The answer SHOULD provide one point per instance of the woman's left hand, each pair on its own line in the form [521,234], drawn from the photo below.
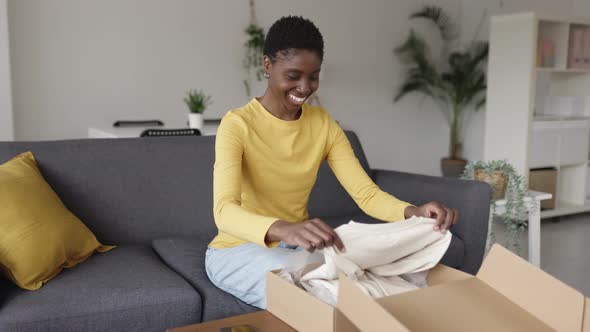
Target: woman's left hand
[445,217]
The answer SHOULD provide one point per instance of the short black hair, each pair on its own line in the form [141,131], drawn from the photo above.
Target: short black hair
[293,32]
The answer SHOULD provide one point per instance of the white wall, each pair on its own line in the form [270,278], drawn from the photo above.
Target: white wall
[6,122]
[78,63]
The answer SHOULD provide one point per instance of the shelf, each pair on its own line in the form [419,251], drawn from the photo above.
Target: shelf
[564,70]
[575,164]
[542,118]
[520,43]
[564,209]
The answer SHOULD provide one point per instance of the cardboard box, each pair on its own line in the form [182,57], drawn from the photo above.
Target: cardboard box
[508,294]
[302,311]
[306,313]
[544,180]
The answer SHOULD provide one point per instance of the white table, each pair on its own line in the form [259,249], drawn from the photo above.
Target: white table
[106,131]
[534,227]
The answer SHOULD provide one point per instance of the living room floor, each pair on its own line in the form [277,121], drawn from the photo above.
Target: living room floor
[565,249]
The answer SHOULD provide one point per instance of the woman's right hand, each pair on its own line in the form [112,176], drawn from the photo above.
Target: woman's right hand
[310,234]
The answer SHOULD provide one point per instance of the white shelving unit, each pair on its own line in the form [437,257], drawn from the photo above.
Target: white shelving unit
[516,91]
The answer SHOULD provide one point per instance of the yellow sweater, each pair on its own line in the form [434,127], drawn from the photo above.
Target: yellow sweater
[265,169]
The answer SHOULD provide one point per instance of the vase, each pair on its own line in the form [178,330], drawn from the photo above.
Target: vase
[452,168]
[195,120]
[497,180]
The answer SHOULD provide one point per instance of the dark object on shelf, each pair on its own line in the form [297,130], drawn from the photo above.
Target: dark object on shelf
[544,180]
[139,123]
[170,132]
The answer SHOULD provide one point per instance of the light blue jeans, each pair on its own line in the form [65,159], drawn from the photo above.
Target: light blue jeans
[241,270]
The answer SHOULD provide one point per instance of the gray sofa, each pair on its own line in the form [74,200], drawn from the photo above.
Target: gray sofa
[152,197]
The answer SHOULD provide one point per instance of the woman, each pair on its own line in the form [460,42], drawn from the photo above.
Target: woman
[267,155]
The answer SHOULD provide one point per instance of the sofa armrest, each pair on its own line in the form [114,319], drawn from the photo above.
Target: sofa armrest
[470,198]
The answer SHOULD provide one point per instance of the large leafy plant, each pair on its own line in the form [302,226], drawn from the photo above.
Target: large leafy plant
[457,83]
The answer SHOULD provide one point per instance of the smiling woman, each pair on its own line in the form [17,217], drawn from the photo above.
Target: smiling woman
[292,66]
[267,156]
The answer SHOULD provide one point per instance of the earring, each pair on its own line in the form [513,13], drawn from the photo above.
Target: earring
[266,75]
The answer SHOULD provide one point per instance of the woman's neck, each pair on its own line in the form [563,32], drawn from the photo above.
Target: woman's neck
[277,109]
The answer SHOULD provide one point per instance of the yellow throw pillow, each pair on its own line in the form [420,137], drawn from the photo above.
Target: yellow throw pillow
[39,236]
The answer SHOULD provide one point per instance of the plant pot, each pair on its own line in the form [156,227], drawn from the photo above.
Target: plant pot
[452,168]
[498,180]
[195,120]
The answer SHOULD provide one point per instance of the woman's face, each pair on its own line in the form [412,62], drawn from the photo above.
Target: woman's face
[293,77]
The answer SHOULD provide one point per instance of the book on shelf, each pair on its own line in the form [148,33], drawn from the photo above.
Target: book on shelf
[545,53]
[577,48]
[586,47]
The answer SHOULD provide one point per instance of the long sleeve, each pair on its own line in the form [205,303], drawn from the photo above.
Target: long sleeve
[229,215]
[266,167]
[367,195]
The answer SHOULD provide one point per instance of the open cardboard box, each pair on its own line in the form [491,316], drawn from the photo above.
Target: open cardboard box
[306,313]
[507,294]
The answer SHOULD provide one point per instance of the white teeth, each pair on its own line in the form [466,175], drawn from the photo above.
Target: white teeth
[297,99]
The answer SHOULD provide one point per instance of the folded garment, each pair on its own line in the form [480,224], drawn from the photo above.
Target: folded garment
[383,259]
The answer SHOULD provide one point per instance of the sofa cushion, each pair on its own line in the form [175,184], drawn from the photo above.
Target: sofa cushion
[126,289]
[39,236]
[186,255]
[453,257]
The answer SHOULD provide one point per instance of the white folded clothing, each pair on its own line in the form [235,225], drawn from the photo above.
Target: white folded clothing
[383,259]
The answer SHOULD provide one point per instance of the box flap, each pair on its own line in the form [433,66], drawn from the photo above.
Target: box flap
[463,305]
[343,324]
[586,327]
[296,307]
[550,300]
[363,311]
[442,273]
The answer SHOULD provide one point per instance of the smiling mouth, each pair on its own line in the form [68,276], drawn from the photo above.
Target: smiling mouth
[297,100]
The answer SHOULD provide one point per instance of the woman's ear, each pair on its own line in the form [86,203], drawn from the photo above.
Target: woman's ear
[267,64]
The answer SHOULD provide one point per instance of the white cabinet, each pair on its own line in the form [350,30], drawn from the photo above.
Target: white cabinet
[544,146]
[573,147]
[517,127]
[559,143]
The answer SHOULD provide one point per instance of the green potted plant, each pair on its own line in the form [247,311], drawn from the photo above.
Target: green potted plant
[197,102]
[254,51]
[457,82]
[253,56]
[506,184]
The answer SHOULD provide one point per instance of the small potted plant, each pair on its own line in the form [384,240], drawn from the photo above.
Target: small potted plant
[506,184]
[495,173]
[197,102]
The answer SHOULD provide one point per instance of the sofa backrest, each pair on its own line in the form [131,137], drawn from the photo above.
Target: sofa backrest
[130,190]
[328,198]
[138,189]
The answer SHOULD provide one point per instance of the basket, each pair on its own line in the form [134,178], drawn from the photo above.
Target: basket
[498,180]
